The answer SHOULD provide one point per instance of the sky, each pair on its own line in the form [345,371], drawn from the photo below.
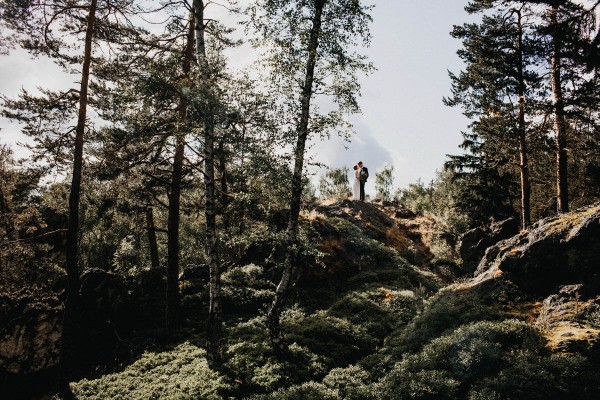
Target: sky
[403,122]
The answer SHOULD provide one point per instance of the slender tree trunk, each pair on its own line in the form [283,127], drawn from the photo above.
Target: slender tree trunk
[175,196]
[281,293]
[152,243]
[214,310]
[173,240]
[223,181]
[72,261]
[522,131]
[560,126]
[215,324]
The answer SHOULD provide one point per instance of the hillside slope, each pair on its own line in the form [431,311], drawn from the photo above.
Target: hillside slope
[377,316]
[369,324]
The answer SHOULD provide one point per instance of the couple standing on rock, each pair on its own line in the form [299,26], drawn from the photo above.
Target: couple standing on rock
[361,174]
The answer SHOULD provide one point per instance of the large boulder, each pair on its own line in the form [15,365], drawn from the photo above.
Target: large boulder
[475,242]
[555,251]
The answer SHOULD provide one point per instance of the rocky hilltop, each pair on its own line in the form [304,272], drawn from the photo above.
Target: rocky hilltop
[378,313]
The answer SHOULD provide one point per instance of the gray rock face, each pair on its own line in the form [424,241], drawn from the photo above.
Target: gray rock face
[475,242]
[556,251]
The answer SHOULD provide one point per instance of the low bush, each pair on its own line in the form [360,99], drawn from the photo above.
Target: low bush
[179,372]
[444,312]
[338,341]
[253,366]
[245,290]
[379,311]
[489,360]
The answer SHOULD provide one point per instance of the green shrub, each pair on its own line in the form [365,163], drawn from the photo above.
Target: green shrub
[337,340]
[250,361]
[349,383]
[257,369]
[180,372]
[245,290]
[426,384]
[444,312]
[490,360]
[305,391]
[529,375]
[379,311]
[474,350]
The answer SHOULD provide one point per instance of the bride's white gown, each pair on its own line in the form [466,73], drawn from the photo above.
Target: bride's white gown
[356,187]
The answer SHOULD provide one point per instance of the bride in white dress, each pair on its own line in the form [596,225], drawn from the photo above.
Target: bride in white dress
[356,185]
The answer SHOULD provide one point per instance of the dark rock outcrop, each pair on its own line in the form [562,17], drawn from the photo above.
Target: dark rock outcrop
[555,251]
[29,335]
[557,260]
[564,317]
[475,242]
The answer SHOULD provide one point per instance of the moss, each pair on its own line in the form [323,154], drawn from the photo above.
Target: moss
[566,222]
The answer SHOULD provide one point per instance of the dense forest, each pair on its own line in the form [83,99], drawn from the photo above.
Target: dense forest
[163,237]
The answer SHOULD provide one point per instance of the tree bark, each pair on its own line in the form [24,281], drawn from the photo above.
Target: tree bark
[72,260]
[522,132]
[173,240]
[215,324]
[152,243]
[223,181]
[274,314]
[175,196]
[560,127]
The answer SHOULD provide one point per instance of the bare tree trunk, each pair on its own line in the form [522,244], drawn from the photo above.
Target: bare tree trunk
[281,293]
[223,181]
[72,264]
[152,243]
[215,324]
[522,131]
[214,310]
[173,240]
[175,196]
[562,184]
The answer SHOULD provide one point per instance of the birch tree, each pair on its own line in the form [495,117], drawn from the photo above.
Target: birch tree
[310,51]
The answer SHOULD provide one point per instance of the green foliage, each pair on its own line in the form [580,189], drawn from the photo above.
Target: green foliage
[424,384]
[384,183]
[378,311]
[440,199]
[256,369]
[417,197]
[305,391]
[444,312]
[338,341]
[449,365]
[30,233]
[534,376]
[334,184]
[283,28]
[245,289]
[178,372]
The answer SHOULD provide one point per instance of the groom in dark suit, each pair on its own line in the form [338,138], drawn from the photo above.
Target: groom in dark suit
[363,174]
